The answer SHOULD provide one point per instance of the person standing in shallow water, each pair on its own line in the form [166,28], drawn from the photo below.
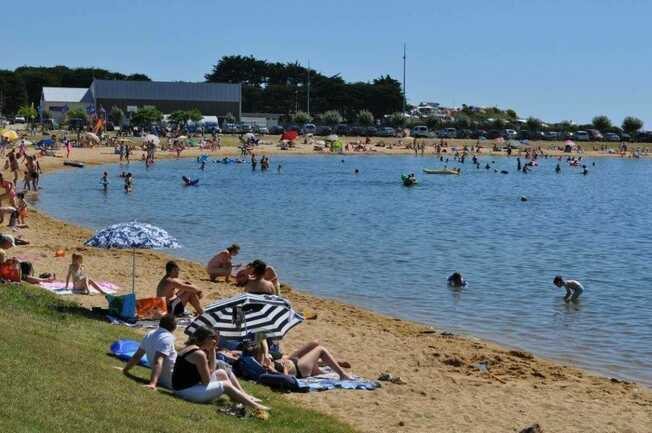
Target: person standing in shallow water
[573,288]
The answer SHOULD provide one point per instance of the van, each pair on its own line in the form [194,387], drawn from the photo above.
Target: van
[420,131]
[595,135]
[582,136]
[309,128]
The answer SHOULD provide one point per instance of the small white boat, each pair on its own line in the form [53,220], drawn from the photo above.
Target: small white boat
[455,171]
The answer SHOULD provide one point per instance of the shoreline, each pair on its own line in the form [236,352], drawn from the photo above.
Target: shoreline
[446,364]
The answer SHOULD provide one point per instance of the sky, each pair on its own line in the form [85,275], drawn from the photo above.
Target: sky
[555,60]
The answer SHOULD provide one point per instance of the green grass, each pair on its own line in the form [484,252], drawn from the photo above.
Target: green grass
[56,377]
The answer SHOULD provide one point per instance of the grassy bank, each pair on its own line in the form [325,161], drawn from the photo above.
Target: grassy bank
[57,377]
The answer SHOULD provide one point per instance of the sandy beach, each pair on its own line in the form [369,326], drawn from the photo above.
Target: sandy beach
[445,390]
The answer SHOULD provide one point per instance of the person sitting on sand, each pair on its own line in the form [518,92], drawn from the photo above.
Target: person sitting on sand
[259,285]
[573,288]
[220,265]
[195,377]
[81,283]
[158,345]
[178,293]
[456,280]
[302,363]
[246,274]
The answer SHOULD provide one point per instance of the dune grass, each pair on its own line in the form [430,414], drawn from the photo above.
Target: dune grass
[57,377]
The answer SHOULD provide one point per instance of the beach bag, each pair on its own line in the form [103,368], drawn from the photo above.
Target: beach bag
[150,308]
[281,382]
[123,306]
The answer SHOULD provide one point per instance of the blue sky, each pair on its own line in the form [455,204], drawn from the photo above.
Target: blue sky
[551,59]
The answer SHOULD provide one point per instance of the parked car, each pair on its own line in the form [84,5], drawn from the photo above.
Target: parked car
[276,130]
[323,131]
[387,131]
[464,133]
[595,135]
[612,136]
[19,119]
[582,136]
[509,134]
[342,129]
[309,128]
[245,129]
[420,131]
[371,131]
[356,131]
[261,130]
[230,128]
[551,135]
[625,137]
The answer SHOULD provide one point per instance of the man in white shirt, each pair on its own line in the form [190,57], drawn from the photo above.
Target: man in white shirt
[158,345]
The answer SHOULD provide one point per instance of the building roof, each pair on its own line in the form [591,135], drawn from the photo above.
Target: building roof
[165,91]
[65,94]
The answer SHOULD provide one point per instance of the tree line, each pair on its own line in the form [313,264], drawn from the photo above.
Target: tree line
[274,87]
[23,86]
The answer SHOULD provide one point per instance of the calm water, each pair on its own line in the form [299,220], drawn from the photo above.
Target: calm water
[368,240]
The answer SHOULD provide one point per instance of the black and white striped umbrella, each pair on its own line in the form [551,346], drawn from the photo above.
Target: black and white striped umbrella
[247,314]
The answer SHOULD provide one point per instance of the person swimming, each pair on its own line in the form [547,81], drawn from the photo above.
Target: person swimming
[456,280]
[584,170]
[356,171]
[573,288]
[558,168]
[189,182]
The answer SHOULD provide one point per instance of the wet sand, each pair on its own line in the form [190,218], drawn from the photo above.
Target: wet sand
[445,390]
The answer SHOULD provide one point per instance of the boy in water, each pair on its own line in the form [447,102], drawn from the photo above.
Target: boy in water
[573,288]
[105,180]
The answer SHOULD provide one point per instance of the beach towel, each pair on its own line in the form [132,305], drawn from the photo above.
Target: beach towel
[144,324]
[125,349]
[330,380]
[59,287]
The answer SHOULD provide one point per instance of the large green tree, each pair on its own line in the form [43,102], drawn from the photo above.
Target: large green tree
[397,119]
[365,118]
[631,125]
[28,112]
[301,118]
[116,116]
[533,124]
[601,123]
[145,116]
[331,117]
[184,116]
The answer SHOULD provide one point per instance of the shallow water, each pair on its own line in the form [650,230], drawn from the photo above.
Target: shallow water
[368,240]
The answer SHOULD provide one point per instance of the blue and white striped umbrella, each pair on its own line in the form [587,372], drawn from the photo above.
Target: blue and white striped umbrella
[133,235]
[246,314]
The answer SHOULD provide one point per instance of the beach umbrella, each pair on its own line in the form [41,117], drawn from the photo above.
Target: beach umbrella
[151,138]
[10,135]
[133,235]
[247,314]
[569,143]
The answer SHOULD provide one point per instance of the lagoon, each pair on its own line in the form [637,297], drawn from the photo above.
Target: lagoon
[367,240]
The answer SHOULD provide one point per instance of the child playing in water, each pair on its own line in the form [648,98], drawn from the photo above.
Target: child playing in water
[81,283]
[105,180]
[573,288]
[456,280]
[129,182]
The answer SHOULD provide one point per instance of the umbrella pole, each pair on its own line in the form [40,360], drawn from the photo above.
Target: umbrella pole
[133,271]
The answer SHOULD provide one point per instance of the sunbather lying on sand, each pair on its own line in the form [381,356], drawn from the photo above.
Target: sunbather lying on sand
[304,362]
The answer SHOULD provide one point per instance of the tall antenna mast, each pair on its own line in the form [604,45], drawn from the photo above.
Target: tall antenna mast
[404,92]
[308,90]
